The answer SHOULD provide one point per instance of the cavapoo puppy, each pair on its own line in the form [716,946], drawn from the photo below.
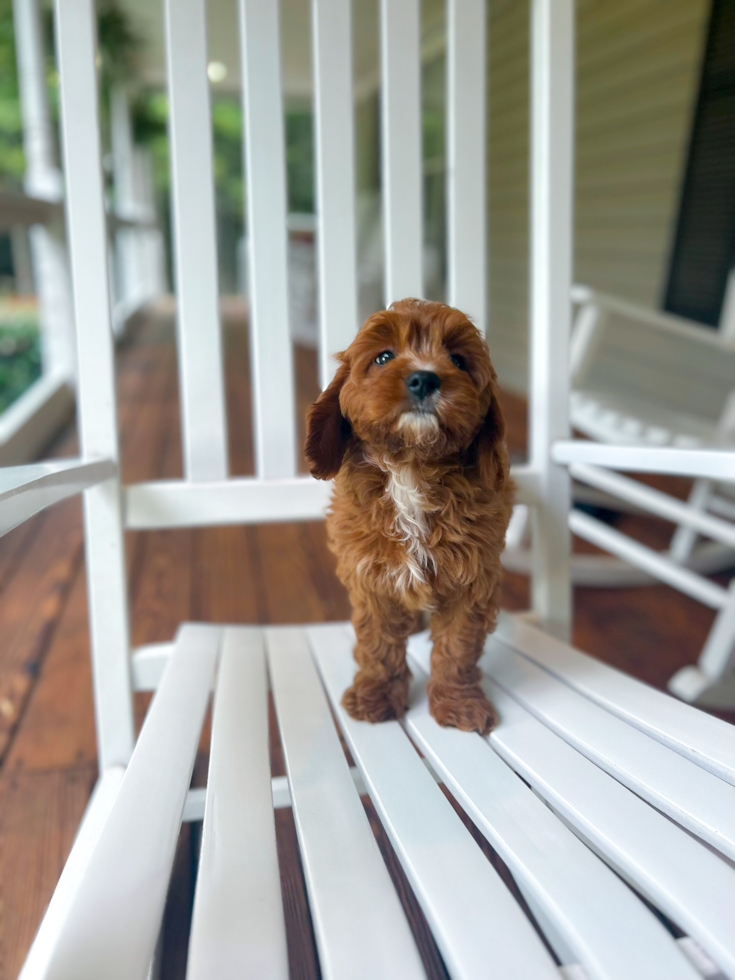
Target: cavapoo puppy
[411,430]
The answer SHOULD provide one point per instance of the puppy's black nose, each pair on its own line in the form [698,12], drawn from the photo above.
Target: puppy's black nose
[421,384]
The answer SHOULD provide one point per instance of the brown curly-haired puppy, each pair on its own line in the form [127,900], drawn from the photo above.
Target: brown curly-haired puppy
[411,429]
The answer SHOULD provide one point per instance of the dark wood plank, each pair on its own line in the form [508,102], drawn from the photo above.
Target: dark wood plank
[39,816]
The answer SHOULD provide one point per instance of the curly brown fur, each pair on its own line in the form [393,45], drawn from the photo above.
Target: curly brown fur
[420,507]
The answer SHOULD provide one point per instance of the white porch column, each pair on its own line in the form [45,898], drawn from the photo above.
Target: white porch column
[43,179]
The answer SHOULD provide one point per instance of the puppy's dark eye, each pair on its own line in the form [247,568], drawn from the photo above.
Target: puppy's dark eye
[384,356]
[458,361]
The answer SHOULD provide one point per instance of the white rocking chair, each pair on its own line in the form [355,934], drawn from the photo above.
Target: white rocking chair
[596,791]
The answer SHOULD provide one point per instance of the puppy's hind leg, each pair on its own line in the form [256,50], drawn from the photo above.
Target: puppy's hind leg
[456,697]
[379,691]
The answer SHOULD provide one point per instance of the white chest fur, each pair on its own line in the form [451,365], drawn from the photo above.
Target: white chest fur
[410,523]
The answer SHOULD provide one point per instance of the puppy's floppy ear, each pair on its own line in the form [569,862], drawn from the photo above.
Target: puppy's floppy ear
[327,430]
[488,448]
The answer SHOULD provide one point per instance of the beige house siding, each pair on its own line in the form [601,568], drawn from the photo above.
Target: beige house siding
[638,64]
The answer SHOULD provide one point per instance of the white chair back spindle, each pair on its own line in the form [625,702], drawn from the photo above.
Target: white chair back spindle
[270,340]
[466,159]
[401,148]
[204,428]
[335,179]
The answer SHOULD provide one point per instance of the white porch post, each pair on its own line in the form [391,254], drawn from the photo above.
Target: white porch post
[552,140]
[42,179]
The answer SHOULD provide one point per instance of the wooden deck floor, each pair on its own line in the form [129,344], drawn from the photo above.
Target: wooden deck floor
[271,574]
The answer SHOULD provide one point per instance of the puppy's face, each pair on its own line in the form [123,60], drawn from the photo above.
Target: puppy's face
[416,375]
[419,375]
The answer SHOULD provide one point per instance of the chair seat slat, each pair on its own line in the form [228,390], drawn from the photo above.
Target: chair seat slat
[677,873]
[360,928]
[474,918]
[705,740]
[113,923]
[603,924]
[695,798]
[237,926]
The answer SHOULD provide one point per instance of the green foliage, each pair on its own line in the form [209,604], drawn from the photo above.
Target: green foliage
[20,356]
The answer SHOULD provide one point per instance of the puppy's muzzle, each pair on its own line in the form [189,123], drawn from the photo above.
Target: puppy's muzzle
[421,385]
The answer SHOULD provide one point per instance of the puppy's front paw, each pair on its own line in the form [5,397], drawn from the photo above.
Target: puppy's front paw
[464,707]
[376,699]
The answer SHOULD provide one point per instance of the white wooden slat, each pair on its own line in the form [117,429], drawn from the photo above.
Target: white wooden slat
[674,871]
[401,148]
[715,463]
[113,922]
[270,341]
[360,928]
[175,503]
[195,242]
[474,918]
[603,924]
[699,737]
[86,234]
[26,490]
[661,504]
[335,179]
[52,924]
[178,503]
[552,171]
[648,559]
[237,926]
[466,170]
[698,800]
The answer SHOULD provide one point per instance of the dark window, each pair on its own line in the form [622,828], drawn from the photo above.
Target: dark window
[704,246]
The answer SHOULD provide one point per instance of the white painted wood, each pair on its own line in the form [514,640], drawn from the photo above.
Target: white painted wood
[270,341]
[401,148]
[552,140]
[149,663]
[655,502]
[94,819]
[587,334]
[237,926]
[474,918]
[695,798]
[360,928]
[113,921]
[719,464]
[334,139]
[26,490]
[466,117]
[578,894]
[659,320]
[699,737]
[28,425]
[174,503]
[656,564]
[177,503]
[106,582]
[204,429]
[42,180]
[673,870]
